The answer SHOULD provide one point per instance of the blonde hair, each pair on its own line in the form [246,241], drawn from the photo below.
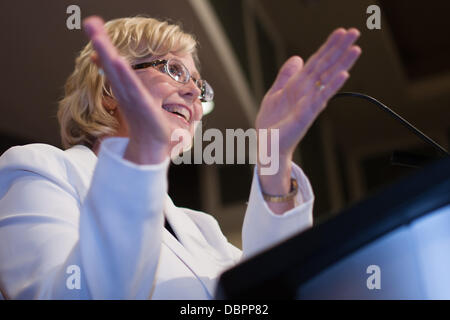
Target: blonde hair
[81,115]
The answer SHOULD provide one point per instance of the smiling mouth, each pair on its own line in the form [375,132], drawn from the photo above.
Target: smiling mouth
[178,110]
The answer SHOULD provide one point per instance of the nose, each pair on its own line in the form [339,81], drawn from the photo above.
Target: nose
[190,90]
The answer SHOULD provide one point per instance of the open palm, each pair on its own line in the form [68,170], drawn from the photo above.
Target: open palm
[301,92]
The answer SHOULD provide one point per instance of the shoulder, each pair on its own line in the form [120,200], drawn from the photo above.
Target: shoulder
[46,160]
[33,157]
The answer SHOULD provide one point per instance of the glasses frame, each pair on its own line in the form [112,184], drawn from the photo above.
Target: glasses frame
[201,84]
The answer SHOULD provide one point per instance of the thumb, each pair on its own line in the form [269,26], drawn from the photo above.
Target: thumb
[289,68]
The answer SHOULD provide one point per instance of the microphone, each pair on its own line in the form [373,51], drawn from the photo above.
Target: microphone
[400,158]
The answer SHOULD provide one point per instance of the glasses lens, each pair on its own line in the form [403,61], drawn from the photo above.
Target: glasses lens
[177,71]
[207,91]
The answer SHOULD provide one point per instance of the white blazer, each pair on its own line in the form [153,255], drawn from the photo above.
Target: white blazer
[74,226]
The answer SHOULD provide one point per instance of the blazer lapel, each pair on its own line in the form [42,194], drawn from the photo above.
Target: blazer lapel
[193,248]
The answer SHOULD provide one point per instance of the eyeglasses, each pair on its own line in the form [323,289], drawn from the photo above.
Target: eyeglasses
[178,72]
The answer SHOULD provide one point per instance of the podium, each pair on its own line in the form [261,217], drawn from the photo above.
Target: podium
[394,244]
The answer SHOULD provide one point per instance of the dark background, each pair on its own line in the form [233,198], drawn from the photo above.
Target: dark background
[346,154]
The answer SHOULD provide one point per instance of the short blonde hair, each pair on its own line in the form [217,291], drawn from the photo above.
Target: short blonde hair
[81,115]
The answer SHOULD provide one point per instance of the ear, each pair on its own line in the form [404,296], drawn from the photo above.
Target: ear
[109,103]
[95,59]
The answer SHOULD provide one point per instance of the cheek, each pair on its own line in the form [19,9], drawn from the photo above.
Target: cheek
[160,90]
[157,88]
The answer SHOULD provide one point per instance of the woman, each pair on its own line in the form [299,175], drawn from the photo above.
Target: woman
[88,222]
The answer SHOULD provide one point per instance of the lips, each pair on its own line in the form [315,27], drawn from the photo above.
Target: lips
[179,110]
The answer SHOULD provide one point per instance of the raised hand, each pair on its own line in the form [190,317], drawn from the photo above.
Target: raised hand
[299,94]
[148,129]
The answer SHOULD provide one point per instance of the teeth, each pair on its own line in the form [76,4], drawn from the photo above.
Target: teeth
[174,108]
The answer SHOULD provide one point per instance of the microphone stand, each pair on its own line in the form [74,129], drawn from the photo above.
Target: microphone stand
[400,158]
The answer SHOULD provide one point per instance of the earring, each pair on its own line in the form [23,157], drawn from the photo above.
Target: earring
[111,112]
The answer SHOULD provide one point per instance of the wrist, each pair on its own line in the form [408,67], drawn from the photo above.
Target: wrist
[145,153]
[280,182]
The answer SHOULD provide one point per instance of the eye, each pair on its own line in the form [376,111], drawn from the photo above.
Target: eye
[160,67]
[176,70]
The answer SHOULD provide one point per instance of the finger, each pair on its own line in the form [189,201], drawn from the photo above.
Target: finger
[109,63]
[92,24]
[106,54]
[344,64]
[308,81]
[132,85]
[331,42]
[334,53]
[289,68]
[317,101]
[134,92]
[329,54]
[90,28]
[94,27]
[322,96]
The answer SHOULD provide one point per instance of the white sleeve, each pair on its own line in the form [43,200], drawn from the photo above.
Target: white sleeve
[262,228]
[113,237]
